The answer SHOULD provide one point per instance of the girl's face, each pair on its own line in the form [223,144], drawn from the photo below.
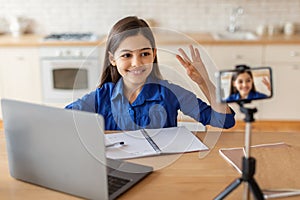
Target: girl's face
[243,84]
[134,60]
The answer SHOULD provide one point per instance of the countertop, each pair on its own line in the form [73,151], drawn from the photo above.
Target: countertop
[32,40]
[182,38]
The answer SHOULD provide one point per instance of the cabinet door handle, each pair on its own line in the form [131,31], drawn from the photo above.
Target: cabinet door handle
[20,58]
[294,53]
[296,67]
[239,56]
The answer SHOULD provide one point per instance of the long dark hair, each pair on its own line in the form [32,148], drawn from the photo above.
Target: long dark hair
[126,27]
[233,89]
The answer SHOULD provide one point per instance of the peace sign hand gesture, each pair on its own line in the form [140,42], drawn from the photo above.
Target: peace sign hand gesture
[197,72]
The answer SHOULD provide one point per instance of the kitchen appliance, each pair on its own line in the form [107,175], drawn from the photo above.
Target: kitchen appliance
[69,71]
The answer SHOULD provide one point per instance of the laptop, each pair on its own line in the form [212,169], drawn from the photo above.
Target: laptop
[64,150]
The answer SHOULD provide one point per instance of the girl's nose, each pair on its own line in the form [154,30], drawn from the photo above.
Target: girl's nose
[136,61]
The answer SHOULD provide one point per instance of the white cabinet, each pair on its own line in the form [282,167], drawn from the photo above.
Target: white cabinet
[20,73]
[285,63]
[228,56]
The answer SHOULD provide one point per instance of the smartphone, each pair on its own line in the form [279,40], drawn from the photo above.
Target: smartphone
[244,84]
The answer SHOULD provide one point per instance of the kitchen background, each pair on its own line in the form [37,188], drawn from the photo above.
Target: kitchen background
[186,16]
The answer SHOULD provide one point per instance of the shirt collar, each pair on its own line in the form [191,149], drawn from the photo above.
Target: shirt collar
[118,89]
[149,92]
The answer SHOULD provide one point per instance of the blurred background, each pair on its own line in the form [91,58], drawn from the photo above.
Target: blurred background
[186,16]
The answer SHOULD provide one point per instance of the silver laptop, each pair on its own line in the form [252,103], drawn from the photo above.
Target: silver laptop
[64,150]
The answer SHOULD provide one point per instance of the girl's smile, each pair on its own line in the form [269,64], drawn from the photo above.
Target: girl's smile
[136,71]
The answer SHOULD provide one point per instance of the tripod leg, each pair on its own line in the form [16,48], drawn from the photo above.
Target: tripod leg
[257,193]
[229,189]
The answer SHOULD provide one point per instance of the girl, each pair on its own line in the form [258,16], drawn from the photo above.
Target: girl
[242,87]
[132,93]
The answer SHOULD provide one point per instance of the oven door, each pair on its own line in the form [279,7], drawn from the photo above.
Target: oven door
[67,80]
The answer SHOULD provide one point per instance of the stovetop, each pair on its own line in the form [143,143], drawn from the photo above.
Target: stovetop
[71,37]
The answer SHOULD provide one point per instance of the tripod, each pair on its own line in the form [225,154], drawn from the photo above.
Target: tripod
[248,163]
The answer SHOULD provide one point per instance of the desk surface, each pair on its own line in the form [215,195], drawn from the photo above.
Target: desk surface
[188,177]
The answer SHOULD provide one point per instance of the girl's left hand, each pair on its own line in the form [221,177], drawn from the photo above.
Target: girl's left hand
[194,67]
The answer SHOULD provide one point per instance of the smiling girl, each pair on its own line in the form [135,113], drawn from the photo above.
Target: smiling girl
[242,87]
[132,93]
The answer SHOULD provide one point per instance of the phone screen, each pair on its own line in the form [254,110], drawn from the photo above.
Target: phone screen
[244,84]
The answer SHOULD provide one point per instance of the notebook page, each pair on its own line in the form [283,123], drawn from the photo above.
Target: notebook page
[176,140]
[135,145]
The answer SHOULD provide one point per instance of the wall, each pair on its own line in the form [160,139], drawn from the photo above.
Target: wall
[186,16]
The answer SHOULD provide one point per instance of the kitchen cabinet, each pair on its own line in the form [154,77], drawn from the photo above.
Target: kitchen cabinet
[285,63]
[228,56]
[20,73]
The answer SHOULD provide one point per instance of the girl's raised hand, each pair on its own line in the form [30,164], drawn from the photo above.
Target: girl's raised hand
[197,72]
[194,66]
[267,83]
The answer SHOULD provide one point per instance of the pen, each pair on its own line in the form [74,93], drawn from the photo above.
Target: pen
[113,144]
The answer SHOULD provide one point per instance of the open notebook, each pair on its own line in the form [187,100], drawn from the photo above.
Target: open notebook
[151,142]
[277,167]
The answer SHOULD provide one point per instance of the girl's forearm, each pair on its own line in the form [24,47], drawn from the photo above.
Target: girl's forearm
[209,91]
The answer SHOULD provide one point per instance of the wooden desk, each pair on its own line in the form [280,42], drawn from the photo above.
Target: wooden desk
[188,177]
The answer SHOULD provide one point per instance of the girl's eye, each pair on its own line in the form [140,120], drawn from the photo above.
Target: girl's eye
[145,54]
[126,55]
[240,81]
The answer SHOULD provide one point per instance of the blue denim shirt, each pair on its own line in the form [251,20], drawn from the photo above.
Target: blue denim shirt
[155,107]
[251,95]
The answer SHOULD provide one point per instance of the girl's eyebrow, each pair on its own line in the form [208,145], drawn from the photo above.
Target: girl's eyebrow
[127,50]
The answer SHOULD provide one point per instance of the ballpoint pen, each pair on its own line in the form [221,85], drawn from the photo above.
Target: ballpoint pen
[114,144]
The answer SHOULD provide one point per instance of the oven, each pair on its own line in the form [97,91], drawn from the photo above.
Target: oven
[68,72]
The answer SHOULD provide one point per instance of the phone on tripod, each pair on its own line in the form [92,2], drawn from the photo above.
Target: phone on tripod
[244,84]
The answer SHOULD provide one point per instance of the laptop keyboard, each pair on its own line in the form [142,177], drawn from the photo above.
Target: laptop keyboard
[115,183]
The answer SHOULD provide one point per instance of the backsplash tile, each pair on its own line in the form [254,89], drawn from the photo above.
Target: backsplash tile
[187,16]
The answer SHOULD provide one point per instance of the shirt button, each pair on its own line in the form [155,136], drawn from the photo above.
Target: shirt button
[131,111]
